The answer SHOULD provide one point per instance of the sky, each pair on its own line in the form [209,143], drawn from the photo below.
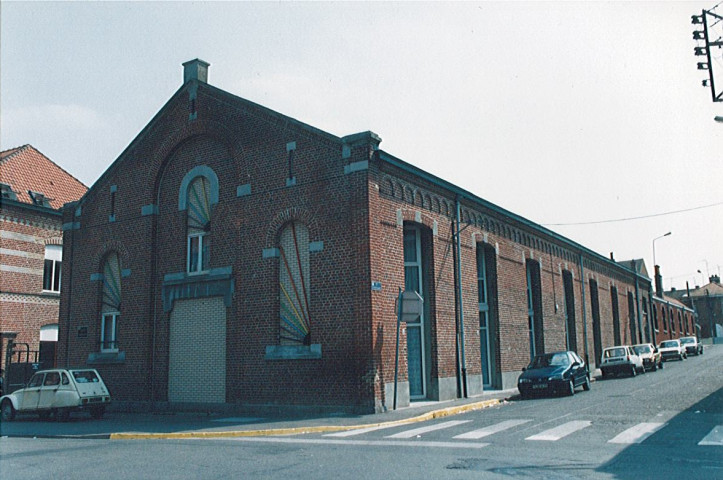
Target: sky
[565,113]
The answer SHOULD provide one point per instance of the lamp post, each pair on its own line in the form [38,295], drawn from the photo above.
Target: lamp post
[657,238]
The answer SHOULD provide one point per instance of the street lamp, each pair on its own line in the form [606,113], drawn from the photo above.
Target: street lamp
[656,238]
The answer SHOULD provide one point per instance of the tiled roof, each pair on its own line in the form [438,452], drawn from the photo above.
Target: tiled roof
[26,169]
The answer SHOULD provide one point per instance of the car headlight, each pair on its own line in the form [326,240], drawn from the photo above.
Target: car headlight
[555,378]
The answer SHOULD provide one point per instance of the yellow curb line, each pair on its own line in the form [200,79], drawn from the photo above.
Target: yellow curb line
[298,430]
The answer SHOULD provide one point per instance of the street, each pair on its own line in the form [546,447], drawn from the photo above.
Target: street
[662,424]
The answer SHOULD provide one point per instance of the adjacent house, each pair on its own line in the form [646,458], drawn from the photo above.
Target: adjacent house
[34,189]
[234,255]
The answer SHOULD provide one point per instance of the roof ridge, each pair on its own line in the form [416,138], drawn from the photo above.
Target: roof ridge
[14,151]
[61,168]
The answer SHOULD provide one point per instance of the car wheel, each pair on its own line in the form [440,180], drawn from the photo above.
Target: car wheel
[586,385]
[660,365]
[642,370]
[570,388]
[633,371]
[97,412]
[7,411]
[654,367]
[701,351]
[62,415]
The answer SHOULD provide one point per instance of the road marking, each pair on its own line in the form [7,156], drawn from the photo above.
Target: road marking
[715,437]
[381,443]
[359,431]
[430,428]
[638,433]
[563,430]
[489,430]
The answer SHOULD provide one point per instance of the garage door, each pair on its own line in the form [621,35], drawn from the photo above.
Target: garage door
[197,363]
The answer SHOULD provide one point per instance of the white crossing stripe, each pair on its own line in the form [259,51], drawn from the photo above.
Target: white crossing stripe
[638,433]
[430,428]
[489,430]
[715,437]
[358,431]
[378,443]
[563,430]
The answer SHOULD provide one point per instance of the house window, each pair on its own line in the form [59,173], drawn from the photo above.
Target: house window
[39,199]
[534,308]
[294,276]
[198,225]
[672,321]
[7,192]
[110,303]
[108,332]
[52,268]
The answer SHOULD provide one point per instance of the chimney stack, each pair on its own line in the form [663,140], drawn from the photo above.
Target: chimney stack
[714,279]
[195,70]
[658,282]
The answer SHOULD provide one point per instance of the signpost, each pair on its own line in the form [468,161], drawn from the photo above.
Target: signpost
[409,308]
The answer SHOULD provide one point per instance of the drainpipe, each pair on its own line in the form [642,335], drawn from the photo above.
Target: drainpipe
[584,310]
[651,329]
[458,294]
[70,285]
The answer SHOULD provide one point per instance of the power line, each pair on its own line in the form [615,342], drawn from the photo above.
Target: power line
[634,218]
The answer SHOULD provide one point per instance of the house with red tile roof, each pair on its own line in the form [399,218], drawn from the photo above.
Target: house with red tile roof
[33,190]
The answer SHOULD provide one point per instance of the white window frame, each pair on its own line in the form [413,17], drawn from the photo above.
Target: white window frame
[113,337]
[54,253]
[201,267]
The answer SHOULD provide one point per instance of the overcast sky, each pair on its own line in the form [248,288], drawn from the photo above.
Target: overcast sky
[561,112]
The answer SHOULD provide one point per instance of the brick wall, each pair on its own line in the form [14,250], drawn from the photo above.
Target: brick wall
[25,307]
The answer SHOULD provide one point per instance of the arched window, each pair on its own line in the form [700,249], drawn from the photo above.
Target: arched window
[294,292]
[110,303]
[198,225]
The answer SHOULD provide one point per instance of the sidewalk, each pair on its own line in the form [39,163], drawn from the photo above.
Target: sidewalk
[119,426]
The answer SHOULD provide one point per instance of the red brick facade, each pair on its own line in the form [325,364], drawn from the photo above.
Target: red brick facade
[265,170]
[28,226]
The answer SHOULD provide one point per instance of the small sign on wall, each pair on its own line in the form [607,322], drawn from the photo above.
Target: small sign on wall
[82,332]
[376,286]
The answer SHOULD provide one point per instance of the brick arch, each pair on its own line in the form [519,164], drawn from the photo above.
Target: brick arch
[409,215]
[165,151]
[387,186]
[110,246]
[287,215]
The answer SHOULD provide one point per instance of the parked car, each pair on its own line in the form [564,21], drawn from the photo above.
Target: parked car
[556,372]
[621,359]
[58,392]
[692,345]
[652,360]
[672,349]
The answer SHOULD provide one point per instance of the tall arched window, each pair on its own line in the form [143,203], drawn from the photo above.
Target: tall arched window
[294,292]
[198,225]
[110,304]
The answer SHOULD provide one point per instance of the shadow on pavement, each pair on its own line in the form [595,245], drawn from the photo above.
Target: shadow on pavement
[673,451]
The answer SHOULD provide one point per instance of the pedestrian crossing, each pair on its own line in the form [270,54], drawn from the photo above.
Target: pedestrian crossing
[404,435]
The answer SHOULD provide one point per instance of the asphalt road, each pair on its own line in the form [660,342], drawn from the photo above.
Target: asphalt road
[664,424]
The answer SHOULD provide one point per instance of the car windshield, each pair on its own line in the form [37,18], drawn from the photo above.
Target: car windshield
[614,352]
[641,349]
[550,360]
[687,340]
[669,343]
[85,376]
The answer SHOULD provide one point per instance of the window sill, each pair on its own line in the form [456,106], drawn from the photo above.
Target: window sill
[106,358]
[50,293]
[293,352]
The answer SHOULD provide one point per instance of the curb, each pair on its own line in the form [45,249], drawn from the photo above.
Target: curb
[445,412]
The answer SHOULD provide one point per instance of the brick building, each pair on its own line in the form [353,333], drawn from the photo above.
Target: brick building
[31,240]
[707,301]
[235,255]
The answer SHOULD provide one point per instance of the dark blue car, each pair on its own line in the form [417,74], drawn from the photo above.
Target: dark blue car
[555,372]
